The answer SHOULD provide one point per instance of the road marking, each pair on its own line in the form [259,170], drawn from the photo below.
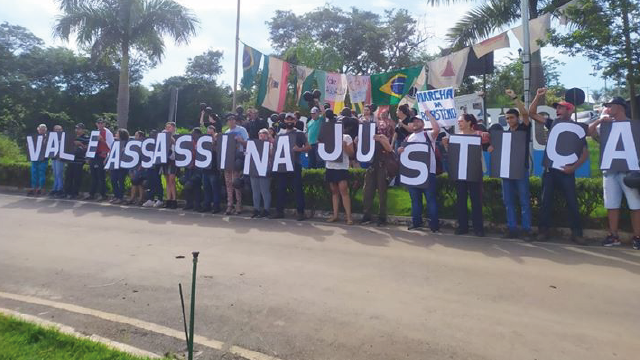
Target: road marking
[201,340]
[71,331]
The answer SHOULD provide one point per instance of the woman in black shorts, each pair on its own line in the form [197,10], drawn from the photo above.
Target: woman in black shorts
[336,175]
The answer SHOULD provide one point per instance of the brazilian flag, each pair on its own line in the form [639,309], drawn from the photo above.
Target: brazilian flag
[390,87]
[250,64]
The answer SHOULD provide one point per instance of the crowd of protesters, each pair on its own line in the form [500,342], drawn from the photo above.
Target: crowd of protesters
[203,188]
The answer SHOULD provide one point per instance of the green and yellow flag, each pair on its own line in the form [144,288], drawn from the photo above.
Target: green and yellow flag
[250,64]
[389,88]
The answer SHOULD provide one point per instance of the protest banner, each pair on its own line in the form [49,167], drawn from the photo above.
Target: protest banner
[440,103]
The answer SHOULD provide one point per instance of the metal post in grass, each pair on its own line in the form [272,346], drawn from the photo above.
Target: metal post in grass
[193,303]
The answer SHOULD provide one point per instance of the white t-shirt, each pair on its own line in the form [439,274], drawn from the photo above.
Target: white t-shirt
[421,138]
[344,164]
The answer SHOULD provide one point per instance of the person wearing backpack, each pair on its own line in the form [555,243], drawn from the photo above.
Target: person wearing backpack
[419,135]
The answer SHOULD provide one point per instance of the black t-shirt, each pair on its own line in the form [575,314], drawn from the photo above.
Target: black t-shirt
[402,132]
[350,126]
[527,130]
[254,126]
[79,151]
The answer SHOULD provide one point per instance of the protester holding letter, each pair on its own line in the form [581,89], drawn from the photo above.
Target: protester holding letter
[261,185]
[39,169]
[119,175]
[57,166]
[375,178]
[230,174]
[511,187]
[313,130]
[284,179]
[211,181]
[336,175]
[466,188]
[613,181]
[98,174]
[73,175]
[419,135]
[564,177]
[192,178]
[169,170]
[137,175]
[154,182]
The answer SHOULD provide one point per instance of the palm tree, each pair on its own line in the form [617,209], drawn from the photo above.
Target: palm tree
[492,15]
[113,28]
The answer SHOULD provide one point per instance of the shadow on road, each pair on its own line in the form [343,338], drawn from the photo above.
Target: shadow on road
[319,231]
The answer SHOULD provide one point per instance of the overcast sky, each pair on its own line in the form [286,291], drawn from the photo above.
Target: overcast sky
[217,31]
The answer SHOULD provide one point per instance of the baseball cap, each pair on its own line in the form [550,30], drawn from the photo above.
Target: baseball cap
[569,106]
[230,115]
[289,115]
[616,101]
[100,120]
[80,126]
[315,110]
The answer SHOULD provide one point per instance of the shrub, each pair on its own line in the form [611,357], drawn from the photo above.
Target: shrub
[10,151]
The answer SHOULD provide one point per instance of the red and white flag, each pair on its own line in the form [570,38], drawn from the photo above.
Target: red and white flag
[494,43]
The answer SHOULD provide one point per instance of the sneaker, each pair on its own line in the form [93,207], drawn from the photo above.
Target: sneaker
[89,197]
[414,227]
[229,211]
[31,193]
[216,210]
[158,204]
[636,242]
[436,232]
[611,240]
[148,203]
[100,198]
[188,207]
[301,217]
[205,209]
[255,214]
[264,214]
[52,193]
[365,220]
[510,234]
[381,222]
[529,236]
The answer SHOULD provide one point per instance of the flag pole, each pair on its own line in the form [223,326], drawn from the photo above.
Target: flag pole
[526,51]
[235,70]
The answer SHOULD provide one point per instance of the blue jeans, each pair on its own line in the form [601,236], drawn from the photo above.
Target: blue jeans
[567,185]
[117,182]
[284,181]
[432,204]
[58,175]
[211,184]
[38,173]
[509,190]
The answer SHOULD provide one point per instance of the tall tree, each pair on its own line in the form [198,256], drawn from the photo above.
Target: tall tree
[492,15]
[608,33]
[115,28]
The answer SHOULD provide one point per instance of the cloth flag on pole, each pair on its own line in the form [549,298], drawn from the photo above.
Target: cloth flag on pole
[359,91]
[494,43]
[321,78]
[419,84]
[538,28]
[390,87]
[273,85]
[304,82]
[448,71]
[250,64]
[335,87]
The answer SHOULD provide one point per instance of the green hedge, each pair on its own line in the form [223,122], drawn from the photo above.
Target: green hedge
[317,196]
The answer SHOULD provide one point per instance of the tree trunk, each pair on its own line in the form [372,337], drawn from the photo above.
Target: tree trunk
[537,81]
[123,88]
[635,112]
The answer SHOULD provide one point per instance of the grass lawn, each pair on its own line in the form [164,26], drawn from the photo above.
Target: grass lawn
[20,340]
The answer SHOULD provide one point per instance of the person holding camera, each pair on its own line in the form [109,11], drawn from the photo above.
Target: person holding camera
[285,179]
[403,129]
[211,117]
[211,181]
[73,174]
[230,175]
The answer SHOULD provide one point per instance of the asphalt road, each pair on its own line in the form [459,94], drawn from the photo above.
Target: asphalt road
[310,290]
